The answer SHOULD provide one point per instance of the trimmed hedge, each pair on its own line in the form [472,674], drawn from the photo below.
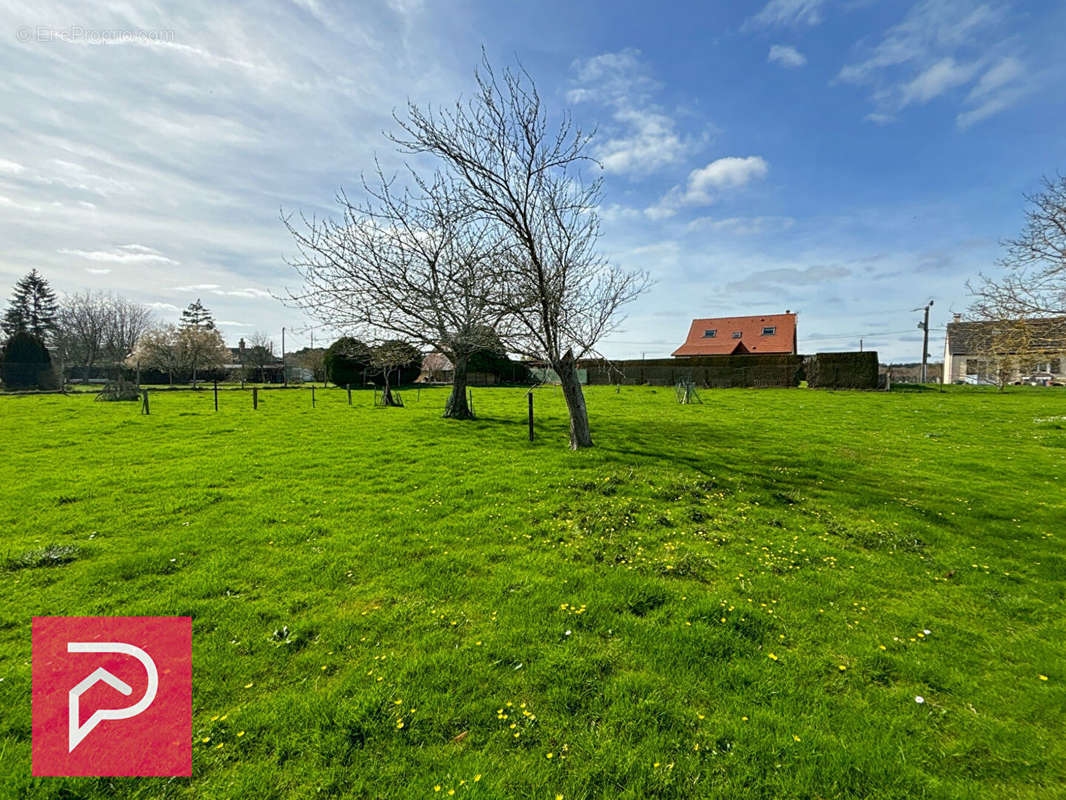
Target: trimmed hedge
[716,372]
[841,370]
[823,370]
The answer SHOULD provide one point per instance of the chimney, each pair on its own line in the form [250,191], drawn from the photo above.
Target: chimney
[240,351]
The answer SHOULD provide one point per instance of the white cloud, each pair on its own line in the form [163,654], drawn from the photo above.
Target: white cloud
[641,137]
[937,79]
[197,287]
[788,12]
[96,271]
[879,119]
[252,293]
[724,173]
[786,55]
[1006,70]
[21,206]
[742,226]
[940,45]
[705,184]
[998,89]
[123,254]
[169,307]
[10,167]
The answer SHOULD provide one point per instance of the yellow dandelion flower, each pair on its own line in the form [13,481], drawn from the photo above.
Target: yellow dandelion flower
[477,777]
[214,718]
[794,736]
[771,656]
[240,733]
[550,755]
[436,788]
[1042,677]
[205,740]
[841,667]
[249,685]
[451,791]
[399,724]
[743,719]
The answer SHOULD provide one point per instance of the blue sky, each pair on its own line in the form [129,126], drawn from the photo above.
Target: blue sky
[847,160]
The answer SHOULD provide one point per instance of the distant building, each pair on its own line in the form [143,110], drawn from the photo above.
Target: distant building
[982,352]
[770,333]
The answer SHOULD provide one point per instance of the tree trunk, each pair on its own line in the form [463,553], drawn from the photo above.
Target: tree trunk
[580,435]
[457,406]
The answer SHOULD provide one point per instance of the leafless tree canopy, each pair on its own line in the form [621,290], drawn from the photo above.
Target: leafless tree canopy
[1033,283]
[1024,309]
[410,263]
[526,176]
[95,328]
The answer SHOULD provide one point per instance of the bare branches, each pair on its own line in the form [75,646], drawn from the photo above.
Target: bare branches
[1034,283]
[526,176]
[502,240]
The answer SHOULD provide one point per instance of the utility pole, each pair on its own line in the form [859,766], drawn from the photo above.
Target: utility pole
[860,344]
[284,372]
[925,339]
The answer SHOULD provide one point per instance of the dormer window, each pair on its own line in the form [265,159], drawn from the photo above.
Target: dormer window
[710,333]
[769,330]
[737,334]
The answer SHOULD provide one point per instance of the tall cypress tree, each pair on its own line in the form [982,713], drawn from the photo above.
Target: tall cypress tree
[32,308]
[196,316]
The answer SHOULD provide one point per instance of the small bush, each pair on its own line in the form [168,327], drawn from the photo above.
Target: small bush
[118,391]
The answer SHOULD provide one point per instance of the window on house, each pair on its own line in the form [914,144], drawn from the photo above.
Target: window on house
[971,366]
[1042,367]
[769,330]
[1056,366]
[710,333]
[737,334]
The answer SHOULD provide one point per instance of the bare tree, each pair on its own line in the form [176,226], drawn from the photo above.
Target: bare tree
[390,357]
[418,265]
[128,322]
[1023,311]
[259,353]
[524,175]
[95,327]
[1034,280]
[82,328]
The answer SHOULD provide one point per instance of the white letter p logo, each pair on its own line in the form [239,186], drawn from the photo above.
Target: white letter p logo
[78,732]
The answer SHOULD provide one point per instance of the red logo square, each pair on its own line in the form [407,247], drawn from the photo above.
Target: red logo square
[112,696]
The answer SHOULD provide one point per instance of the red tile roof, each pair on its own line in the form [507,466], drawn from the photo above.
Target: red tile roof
[750,340]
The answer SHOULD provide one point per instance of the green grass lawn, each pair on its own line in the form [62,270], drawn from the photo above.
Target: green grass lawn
[740,599]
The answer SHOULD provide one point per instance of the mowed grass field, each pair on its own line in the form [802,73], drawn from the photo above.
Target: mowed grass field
[740,599]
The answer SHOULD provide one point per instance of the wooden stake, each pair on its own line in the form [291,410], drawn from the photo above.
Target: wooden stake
[312,397]
[531,416]
[216,395]
[255,397]
[145,408]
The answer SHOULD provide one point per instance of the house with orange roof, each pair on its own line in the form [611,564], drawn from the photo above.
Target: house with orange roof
[769,333]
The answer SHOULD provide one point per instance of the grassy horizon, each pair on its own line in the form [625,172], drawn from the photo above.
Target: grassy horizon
[736,599]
